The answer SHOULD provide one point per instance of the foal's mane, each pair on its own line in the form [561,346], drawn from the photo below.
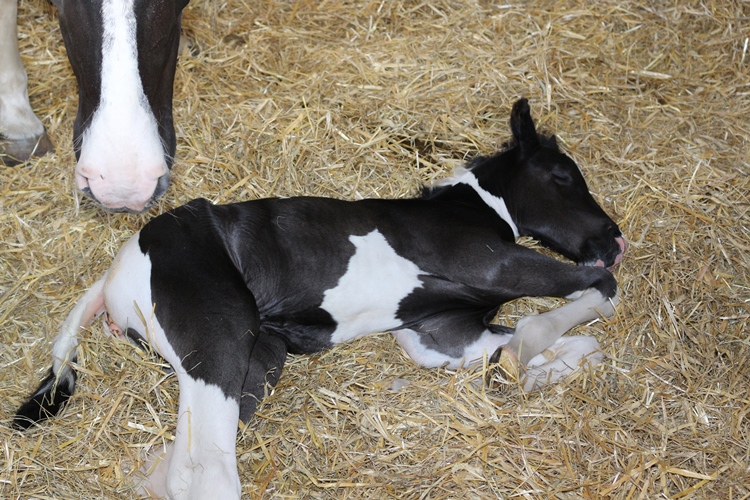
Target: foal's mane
[435,189]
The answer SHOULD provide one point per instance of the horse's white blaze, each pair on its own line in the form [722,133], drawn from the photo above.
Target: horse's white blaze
[463,176]
[485,345]
[121,152]
[203,463]
[17,120]
[367,296]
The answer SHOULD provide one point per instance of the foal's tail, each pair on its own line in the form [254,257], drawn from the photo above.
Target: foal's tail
[58,386]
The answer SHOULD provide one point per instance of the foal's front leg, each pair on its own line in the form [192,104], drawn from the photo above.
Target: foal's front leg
[561,359]
[594,299]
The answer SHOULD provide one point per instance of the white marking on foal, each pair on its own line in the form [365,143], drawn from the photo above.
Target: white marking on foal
[204,460]
[203,463]
[463,176]
[367,297]
[562,358]
[565,356]
[90,305]
[485,345]
[121,152]
[536,333]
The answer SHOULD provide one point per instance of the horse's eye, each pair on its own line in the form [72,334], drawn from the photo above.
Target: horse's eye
[562,177]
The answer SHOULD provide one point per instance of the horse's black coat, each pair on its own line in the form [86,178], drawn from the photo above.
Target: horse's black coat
[158,41]
[82,30]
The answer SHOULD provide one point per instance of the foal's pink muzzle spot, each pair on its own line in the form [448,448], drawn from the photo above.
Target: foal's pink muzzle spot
[623,244]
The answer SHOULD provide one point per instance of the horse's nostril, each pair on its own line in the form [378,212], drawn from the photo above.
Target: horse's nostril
[161,187]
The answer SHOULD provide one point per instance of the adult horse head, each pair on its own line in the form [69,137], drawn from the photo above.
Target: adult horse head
[124,55]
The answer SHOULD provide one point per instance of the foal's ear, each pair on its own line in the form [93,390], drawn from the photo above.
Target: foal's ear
[551,143]
[522,126]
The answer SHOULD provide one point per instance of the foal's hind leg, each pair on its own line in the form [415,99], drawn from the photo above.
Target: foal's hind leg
[266,362]
[203,462]
[199,315]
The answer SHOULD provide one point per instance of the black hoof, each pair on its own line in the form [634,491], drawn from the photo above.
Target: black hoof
[15,152]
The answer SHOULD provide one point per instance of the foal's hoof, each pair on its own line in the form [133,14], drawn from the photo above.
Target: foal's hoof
[506,370]
[14,152]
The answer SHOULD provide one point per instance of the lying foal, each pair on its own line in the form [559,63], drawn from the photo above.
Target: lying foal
[224,292]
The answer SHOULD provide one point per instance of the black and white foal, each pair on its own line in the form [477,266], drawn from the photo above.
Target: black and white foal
[224,292]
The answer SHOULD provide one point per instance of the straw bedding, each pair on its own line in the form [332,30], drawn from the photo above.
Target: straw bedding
[357,99]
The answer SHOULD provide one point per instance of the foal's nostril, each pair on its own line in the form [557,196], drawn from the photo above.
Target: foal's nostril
[622,243]
[612,229]
[617,251]
[616,235]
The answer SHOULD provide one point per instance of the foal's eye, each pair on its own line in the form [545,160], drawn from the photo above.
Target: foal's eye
[562,177]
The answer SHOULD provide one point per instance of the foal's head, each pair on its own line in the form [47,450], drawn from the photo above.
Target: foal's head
[547,197]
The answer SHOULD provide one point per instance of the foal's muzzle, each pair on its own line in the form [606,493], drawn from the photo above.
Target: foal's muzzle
[607,252]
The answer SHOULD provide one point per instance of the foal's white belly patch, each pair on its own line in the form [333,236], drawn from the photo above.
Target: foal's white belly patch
[367,297]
